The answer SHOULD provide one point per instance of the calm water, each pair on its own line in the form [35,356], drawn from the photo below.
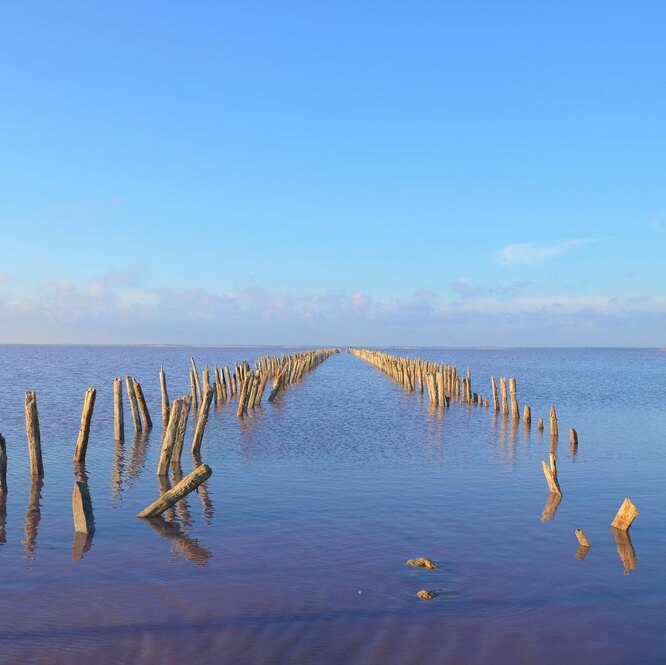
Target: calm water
[294,551]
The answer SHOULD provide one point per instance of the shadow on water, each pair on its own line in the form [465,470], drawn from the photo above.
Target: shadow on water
[33,516]
[182,544]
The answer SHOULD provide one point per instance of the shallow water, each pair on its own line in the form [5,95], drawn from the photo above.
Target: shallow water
[294,550]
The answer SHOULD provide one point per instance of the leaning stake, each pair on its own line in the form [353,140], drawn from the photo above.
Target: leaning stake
[84,429]
[183,488]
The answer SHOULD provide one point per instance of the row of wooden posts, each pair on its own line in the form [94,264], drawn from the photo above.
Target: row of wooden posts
[246,383]
[443,383]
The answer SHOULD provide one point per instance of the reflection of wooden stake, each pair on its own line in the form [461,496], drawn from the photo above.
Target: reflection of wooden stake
[84,429]
[32,431]
[183,488]
[582,552]
[551,475]
[625,549]
[551,506]
[625,516]
[84,521]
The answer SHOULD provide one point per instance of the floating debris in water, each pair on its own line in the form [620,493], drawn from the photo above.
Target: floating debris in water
[424,594]
[421,562]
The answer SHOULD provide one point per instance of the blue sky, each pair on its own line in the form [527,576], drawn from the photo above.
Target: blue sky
[333,172]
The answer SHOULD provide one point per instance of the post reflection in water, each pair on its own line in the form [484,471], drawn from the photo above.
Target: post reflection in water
[582,552]
[553,444]
[82,544]
[202,491]
[137,458]
[117,471]
[183,508]
[3,518]
[550,508]
[513,439]
[32,517]
[182,544]
[625,549]
[163,486]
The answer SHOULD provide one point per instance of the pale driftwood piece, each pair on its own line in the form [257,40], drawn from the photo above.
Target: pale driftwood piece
[527,415]
[118,417]
[553,422]
[84,429]
[33,434]
[193,387]
[175,494]
[143,407]
[625,516]
[625,549]
[201,420]
[505,401]
[169,437]
[3,465]
[197,382]
[551,475]
[84,521]
[181,429]
[540,424]
[165,398]
[582,538]
[515,411]
[134,408]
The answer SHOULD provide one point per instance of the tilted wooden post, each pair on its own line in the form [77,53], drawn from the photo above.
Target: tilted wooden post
[33,434]
[197,383]
[84,521]
[143,407]
[625,516]
[181,429]
[175,494]
[169,438]
[118,418]
[202,419]
[84,429]
[131,396]
[551,475]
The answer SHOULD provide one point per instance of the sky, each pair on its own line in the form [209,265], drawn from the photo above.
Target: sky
[344,173]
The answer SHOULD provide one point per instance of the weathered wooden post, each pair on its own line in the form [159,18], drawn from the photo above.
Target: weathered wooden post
[551,475]
[515,411]
[181,429]
[540,424]
[169,437]
[118,418]
[175,494]
[33,434]
[131,396]
[165,398]
[553,422]
[625,516]
[193,388]
[197,383]
[505,402]
[84,429]
[143,407]
[202,419]
[84,520]
[527,415]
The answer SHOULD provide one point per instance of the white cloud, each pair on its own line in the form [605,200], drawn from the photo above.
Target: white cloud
[530,253]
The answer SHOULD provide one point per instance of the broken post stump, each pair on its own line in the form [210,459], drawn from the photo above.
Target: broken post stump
[131,396]
[625,516]
[118,418]
[202,419]
[551,475]
[165,398]
[553,422]
[143,407]
[169,438]
[175,494]
[84,521]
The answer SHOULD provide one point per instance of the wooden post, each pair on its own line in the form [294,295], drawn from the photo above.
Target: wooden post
[118,418]
[131,396]
[551,475]
[84,429]
[505,403]
[84,521]
[175,494]
[573,438]
[527,415]
[165,398]
[201,420]
[3,465]
[197,383]
[143,407]
[193,387]
[169,437]
[515,411]
[540,424]
[34,436]
[553,421]
[625,516]
[181,429]
[582,538]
